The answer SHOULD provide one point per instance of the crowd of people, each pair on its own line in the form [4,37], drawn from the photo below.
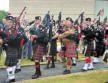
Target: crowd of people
[52,39]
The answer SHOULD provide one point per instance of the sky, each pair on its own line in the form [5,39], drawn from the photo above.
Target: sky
[4,5]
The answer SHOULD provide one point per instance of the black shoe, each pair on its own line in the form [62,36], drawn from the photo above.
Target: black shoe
[47,67]
[17,70]
[94,62]
[52,66]
[74,64]
[106,82]
[91,69]
[10,81]
[66,72]
[83,70]
[35,76]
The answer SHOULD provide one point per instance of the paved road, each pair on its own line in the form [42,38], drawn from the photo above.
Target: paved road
[28,71]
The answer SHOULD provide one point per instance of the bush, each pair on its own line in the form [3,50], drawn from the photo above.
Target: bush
[3,14]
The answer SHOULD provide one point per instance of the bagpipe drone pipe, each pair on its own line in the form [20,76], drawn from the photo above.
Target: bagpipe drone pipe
[41,34]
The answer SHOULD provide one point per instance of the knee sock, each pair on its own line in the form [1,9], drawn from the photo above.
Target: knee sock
[53,60]
[74,60]
[37,66]
[49,59]
[68,64]
[64,60]
[87,61]
[10,73]
[18,64]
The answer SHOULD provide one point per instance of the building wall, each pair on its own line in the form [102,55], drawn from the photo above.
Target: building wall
[102,4]
[69,8]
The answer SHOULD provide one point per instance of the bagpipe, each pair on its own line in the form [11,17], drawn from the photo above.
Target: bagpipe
[19,17]
[89,34]
[105,27]
[99,34]
[4,38]
[58,22]
[15,37]
[79,18]
[47,22]
[41,34]
[43,31]
[77,30]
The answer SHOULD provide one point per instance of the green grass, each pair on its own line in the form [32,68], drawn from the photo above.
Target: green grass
[2,60]
[26,62]
[81,57]
[89,77]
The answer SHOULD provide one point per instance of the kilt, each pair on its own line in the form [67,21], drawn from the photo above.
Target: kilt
[98,50]
[11,58]
[38,51]
[70,50]
[53,47]
[90,49]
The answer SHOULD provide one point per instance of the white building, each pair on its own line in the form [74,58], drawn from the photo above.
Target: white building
[69,8]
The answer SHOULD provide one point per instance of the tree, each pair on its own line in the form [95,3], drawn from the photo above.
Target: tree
[3,14]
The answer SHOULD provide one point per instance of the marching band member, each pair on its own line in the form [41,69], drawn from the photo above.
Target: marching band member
[68,50]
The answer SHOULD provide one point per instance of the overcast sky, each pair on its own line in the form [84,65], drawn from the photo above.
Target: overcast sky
[4,5]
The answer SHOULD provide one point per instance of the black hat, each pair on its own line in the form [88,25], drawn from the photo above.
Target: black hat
[88,19]
[10,18]
[37,18]
[70,19]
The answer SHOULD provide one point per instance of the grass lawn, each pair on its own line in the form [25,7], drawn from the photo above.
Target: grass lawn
[100,76]
[2,60]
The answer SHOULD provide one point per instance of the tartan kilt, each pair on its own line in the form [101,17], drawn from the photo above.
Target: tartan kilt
[90,49]
[11,57]
[38,51]
[70,50]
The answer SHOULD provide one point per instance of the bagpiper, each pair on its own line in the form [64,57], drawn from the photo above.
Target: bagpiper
[14,39]
[38,34]
[105,55]
[89,41]
[67,51]
[52,52]
[99,39]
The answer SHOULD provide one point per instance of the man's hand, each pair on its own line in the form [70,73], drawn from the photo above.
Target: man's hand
[60,36]
[32,37]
